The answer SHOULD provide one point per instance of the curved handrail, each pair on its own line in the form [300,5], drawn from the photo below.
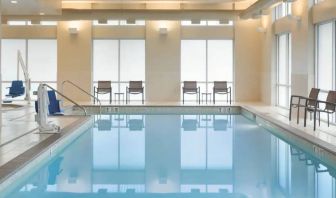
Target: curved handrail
[75,103]
[81,89]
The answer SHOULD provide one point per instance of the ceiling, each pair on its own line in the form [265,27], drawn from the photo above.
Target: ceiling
[93,9]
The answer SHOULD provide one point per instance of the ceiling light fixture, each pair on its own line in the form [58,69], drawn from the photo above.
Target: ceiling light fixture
[14,1]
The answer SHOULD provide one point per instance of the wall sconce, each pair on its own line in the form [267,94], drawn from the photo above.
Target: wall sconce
[73,30]
[73,27]
[163,30]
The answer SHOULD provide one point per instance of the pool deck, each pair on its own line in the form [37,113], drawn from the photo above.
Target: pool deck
[19,132]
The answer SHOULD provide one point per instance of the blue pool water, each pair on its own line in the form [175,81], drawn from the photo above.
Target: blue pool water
[179,156]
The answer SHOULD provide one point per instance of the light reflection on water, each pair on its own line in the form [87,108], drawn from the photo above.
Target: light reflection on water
[180,156]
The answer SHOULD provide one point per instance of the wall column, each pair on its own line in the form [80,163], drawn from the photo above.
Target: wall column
[74,58]
[163,72]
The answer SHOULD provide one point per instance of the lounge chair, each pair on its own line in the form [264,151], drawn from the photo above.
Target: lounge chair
[314,92]
[16,89]
[104,87]
[220,87]
[190,87]
[330,107]
[135,87]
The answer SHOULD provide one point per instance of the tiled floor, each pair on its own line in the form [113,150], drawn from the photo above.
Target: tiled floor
[19,132]
[18,128]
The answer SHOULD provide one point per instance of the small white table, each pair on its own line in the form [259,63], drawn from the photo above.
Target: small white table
[119,94]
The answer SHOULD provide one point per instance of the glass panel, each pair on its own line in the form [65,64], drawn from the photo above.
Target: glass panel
[325,57]
[282,59]
[42,60]
[9,54]
[220,60]
[283,96]
[193,60]
[132,60]
[105,60]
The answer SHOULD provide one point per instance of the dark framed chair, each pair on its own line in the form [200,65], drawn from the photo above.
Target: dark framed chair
[314,93]
[134,87]
[104,87]
[221,87]
[16,89]
[329,107]
[190,87]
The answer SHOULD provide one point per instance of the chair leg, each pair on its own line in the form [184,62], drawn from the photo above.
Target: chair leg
[142,98]
[214,101]
[298,114]
[328,120]
[110,97]
[319,115]
[183,98]
[230,98]
[290,110]
[199,97]
[126,97]
[305,118]
[314,120]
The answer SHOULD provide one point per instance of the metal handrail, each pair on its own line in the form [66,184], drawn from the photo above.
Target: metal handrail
[81,89]
[75,103]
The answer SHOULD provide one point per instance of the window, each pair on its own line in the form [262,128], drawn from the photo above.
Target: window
[282,10]
[318,1]
[120,61]
[121,22]
[283,85]
[325,59]
[39,55]
[206,61]
[207,23]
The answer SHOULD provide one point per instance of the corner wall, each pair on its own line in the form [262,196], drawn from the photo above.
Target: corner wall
[74,58]
[247,72]
[163,73]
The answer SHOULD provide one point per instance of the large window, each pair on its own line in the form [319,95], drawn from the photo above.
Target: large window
[325,58]
[206,61]
[119,61]
[282,10]
[283,85]
[40,56]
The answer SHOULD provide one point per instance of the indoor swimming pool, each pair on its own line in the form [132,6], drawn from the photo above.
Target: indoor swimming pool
[212,155]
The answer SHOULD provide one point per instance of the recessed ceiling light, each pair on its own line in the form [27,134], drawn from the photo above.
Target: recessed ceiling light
[14,1]
[42,13]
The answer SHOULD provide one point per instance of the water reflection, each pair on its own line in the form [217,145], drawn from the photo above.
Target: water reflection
[194,155]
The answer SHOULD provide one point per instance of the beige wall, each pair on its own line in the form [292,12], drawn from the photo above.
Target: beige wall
[74,58]
[247,60]
[162,54]
[163,62]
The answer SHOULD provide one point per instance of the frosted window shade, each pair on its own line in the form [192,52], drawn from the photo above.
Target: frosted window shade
[325,56]
[132,60]
[105,60]
[284,67]
[193,60]
[220,60]
[42,58]
[9,49]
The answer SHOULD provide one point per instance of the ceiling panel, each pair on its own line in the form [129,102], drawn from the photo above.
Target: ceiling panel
[31,7]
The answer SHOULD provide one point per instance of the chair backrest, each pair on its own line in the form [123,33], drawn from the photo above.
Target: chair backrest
[16,88]
[314,92]
[104,84]
[221,85]
[332,99]
[135,84]
[54,106]
[190,84]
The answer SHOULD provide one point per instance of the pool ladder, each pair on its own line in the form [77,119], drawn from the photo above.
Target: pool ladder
[83,91]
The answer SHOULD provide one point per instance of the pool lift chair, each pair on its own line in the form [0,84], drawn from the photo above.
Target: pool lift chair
[17,89]
[42,111]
